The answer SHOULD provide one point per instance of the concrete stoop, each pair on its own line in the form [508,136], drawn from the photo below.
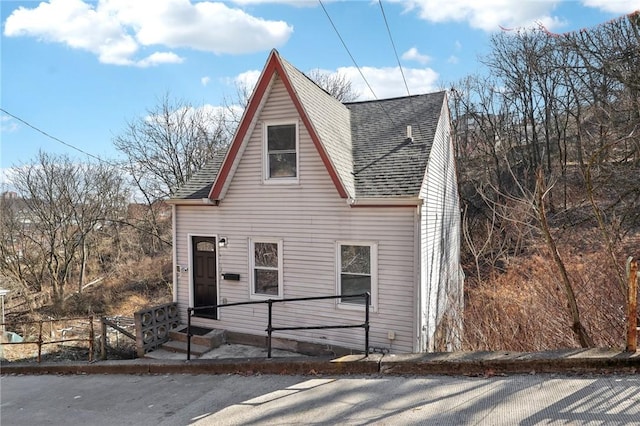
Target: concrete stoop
[202,340]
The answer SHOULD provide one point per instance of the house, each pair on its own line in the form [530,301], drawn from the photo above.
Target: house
[317,198]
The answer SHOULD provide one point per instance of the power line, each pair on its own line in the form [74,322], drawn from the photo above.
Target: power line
[395,51]
[347,49]
[356,64]
[55,138]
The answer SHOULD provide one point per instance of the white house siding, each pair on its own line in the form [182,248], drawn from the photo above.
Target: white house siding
[309,218]
[441,279]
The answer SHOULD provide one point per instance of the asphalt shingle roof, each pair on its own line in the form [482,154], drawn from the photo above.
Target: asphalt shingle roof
[386,163]
[366,142]
[199,185]
[331,121]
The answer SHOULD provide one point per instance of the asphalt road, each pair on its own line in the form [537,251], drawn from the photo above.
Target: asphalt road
[233,399]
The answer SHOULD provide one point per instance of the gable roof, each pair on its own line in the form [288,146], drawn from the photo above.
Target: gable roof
[363,145]
[299,89]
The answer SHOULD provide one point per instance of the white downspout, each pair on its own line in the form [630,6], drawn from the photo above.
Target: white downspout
[417,259]
[175,252]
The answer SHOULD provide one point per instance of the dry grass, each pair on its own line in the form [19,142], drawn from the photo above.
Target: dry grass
[136,285]
[525,308]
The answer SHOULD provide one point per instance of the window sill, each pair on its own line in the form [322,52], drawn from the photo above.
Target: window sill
[354,307]
[265,296]
[281,181]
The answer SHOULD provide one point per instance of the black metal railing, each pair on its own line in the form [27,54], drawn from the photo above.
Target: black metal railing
[270,328]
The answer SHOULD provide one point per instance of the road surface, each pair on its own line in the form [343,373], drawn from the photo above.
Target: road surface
[262,399]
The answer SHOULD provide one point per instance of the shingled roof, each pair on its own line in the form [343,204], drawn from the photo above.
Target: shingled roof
[386,162]
[199,186]
[364,145]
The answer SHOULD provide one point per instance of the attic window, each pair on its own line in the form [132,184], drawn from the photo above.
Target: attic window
[281,152]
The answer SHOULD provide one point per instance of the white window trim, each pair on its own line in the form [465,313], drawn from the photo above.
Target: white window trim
[374,275]
[252,258]
[265,153]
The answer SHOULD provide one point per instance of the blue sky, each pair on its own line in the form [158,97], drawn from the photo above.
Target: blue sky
[79,71]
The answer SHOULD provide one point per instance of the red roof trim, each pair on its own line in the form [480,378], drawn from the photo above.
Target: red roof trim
[225,168]
[273,65]
[312,132]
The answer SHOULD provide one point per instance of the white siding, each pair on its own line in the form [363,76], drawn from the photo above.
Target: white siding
[309,217]
[441,288]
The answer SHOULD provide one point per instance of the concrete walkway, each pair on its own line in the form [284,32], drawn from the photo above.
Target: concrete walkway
[485,364]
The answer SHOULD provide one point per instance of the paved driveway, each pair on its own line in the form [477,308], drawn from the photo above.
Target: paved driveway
[234,399]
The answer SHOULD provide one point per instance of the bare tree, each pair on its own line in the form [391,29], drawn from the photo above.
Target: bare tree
[336,84]
[169,143]
[47,227]
[163,149]
[566,111]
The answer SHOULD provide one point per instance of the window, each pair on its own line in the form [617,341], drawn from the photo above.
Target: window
[266,268]
[357,272]
[281,148]
[205,246]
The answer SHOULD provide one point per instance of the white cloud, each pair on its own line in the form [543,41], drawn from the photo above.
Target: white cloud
[487,15]
[8,124]
[205,80]
[388,82]
[614,6]
[413,55]
[158,58]
[247,79]
[453,59]
[116,30]
[297,3]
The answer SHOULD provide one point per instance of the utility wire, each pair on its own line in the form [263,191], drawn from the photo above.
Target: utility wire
[356,64]
[347,49]
[395,52]
[55,138]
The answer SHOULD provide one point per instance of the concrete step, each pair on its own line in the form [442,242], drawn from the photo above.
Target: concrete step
[181,347]
[211,339]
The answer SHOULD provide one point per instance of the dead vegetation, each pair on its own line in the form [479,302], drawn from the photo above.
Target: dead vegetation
[548,145]
[133,286]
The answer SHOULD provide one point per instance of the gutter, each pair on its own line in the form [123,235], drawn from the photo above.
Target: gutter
[384,202]
[193,202]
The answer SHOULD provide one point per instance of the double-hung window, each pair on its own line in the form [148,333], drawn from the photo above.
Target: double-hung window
[357,272]
[281,152]
[266,268]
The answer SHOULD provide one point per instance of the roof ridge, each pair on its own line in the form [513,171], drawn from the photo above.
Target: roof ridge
[396,98]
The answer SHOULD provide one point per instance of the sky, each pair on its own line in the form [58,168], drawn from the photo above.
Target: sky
[74,72]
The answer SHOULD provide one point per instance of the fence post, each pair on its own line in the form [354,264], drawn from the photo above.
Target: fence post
[269,328]
[40,343]
[632,305]
[103,340]
[91,338]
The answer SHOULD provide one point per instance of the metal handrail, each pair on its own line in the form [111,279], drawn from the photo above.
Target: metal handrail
[270,328]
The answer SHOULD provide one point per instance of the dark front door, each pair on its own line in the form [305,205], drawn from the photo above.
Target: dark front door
[205,282]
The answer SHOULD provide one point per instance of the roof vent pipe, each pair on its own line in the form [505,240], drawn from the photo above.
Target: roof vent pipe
[409,134]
